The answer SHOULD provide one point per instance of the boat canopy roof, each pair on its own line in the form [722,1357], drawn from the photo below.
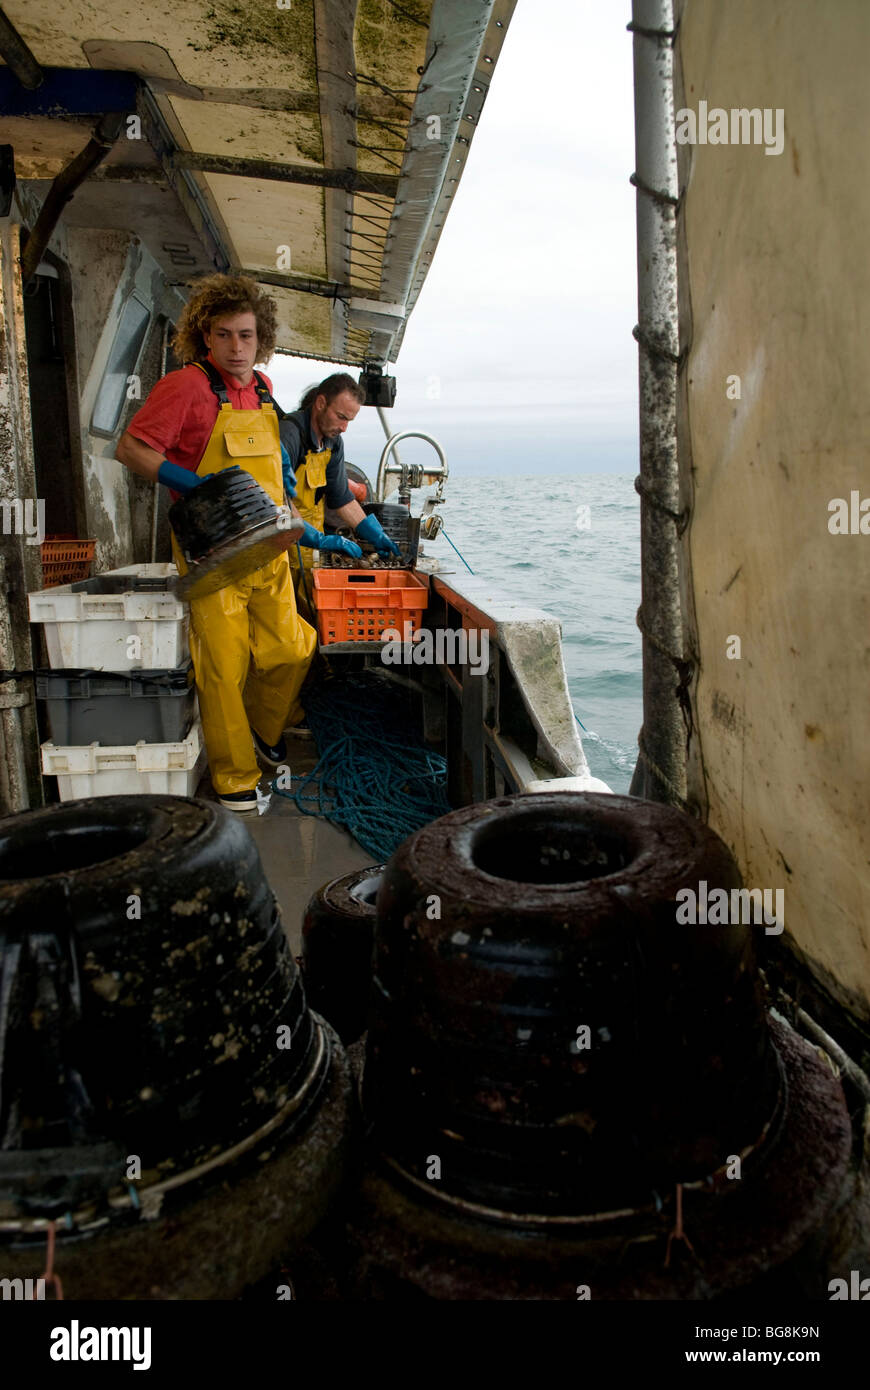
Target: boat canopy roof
[316,146]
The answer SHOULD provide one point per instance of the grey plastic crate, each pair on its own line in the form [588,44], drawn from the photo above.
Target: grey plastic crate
[113,583]
[118,708]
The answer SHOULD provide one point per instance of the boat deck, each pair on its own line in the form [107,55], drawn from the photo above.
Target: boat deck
[299,853]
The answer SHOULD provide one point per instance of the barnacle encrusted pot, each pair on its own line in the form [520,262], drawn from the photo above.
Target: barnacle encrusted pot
[338,936]
[155,1042]
[553,1033]
[557,1060]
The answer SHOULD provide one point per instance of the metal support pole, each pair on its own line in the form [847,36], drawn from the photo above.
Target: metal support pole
[661,770]
[155,486]
[18,56]
[14,794]
[388,434]
[21,569]
[155,508]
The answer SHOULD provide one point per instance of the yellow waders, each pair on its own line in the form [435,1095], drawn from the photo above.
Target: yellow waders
[310,475]
[250,649]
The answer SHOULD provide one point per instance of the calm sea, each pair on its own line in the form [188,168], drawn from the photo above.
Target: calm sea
[521,533]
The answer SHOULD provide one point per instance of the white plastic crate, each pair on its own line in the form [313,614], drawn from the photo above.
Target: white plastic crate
[95,769]
[92,631]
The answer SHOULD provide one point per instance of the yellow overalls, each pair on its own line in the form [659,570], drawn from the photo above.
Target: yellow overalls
[250,649]
[310,475]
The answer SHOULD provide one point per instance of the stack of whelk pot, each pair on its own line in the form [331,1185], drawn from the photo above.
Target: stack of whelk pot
[120,698]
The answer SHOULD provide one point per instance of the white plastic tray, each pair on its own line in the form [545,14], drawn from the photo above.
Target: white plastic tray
[95,769]
[93,631]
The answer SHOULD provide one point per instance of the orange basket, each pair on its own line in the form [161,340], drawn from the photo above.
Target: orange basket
[65,559]
[359,605]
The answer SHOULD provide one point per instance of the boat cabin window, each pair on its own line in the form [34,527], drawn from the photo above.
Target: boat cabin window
[169,362]
[123,357]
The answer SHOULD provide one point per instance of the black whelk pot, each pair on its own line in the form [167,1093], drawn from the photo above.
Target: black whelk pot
[228,527]
[150,1008]
[338,931]
[221,508]
[402,528]
[552,1057]
[558,916]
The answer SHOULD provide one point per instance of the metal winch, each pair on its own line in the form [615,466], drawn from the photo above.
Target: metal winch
[414,475]
[395,516]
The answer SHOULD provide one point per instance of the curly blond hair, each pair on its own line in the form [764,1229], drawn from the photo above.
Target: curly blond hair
[218,296]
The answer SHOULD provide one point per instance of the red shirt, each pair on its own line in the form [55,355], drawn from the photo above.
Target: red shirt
[178,417]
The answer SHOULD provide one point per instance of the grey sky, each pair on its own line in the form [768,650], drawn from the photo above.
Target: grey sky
[519,355]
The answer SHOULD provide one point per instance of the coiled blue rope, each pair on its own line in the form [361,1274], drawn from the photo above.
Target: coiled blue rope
[374,777]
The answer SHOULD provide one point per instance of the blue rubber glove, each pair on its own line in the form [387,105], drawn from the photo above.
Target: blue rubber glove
[372,531]
[315,540]
[287,473]
[178,478]
[341,545]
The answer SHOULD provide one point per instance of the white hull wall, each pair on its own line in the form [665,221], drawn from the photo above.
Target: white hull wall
[774,289]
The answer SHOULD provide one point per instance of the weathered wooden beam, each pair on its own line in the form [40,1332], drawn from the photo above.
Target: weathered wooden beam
[328,289]
[336,84]
[18,56]
[129,173]
[351,180]
[372,107]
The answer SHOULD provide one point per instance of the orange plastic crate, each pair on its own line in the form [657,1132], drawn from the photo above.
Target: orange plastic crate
[359,605]
[65,559]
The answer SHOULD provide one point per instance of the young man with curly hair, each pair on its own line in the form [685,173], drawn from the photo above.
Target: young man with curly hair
[251,650]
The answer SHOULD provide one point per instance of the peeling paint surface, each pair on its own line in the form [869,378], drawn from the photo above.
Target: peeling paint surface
[215,44]
[217,128]
[262,215]
[252,81]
